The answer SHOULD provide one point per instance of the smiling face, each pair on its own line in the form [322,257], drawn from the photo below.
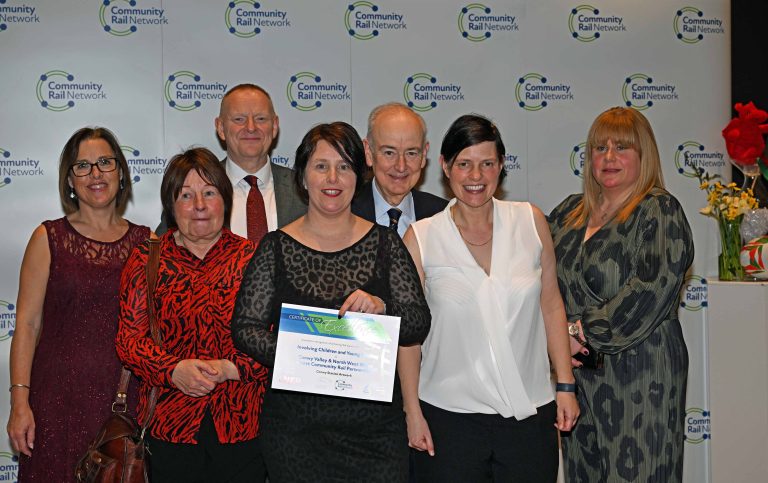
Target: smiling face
[397,152]
[199,209]
[248,125]
[474,174]
[330,180]
[96,189]
[615,166]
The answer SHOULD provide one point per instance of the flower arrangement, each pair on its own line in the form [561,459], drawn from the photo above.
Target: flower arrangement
[727,204]
[744,139]
[724,202]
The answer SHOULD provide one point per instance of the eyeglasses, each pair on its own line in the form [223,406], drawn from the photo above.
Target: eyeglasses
[83,168]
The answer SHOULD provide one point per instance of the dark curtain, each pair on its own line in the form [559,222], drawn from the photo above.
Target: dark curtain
[749,65]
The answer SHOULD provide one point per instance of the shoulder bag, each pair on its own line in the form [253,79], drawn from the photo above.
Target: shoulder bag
[117,454]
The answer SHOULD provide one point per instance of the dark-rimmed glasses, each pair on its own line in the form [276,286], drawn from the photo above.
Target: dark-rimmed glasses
[83,168]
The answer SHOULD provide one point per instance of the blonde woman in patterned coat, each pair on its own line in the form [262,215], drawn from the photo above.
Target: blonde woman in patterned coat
[623,248]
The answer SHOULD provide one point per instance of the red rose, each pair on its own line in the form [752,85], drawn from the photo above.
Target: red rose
[744,134]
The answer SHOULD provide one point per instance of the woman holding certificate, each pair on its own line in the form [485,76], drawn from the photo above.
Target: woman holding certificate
[332,259]
[478,398]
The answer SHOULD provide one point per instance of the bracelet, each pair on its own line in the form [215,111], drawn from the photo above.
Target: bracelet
[18,385]
[565,387]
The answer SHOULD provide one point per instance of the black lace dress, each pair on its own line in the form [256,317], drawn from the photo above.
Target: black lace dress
[307,437]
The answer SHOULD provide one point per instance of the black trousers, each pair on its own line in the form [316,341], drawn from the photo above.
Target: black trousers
[208,461]
[489,447]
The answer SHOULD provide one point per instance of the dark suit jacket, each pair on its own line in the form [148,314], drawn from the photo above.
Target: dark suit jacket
[287,200]
[425,204]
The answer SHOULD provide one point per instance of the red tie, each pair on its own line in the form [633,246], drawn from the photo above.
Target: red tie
[256,214]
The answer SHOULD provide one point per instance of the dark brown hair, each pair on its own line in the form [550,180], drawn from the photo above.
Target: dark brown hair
[207,166]
[343,138]
[470,130]
[69,156]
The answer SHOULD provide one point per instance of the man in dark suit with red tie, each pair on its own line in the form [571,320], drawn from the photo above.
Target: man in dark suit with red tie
[396,150]
[264,194]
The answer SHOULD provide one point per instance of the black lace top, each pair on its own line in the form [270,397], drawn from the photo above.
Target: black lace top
[284,270]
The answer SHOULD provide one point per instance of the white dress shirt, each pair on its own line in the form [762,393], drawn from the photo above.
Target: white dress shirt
[240,188]
[380,205]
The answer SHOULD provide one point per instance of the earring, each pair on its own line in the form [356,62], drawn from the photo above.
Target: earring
[72,193]
[121,184]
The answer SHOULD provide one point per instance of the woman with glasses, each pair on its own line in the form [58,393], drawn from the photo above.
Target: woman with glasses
[64,369]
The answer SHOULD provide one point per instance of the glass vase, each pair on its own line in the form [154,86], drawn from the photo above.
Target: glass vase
[729,265]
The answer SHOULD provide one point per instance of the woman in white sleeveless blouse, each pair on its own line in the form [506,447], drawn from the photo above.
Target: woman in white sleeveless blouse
[480,405]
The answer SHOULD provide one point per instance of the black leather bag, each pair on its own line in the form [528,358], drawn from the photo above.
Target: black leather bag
[593,360]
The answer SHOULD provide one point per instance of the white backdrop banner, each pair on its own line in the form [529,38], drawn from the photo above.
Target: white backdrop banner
[154,72]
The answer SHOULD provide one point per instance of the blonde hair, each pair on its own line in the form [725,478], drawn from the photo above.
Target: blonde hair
[626,126]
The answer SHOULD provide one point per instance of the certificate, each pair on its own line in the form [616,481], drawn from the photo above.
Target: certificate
[352,357]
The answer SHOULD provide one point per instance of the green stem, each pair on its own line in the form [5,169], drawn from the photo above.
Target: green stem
[729,264]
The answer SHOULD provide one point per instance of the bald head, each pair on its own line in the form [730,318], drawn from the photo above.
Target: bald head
[394,109]
[396,149]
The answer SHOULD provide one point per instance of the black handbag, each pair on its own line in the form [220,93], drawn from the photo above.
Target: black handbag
[117,454]
[593,360]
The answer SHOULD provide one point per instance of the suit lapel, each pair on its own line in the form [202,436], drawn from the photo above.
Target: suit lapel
[363,205]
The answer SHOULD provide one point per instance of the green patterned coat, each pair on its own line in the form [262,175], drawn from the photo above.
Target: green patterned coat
[624,284]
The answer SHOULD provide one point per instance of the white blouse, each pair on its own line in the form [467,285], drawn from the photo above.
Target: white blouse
[487,349]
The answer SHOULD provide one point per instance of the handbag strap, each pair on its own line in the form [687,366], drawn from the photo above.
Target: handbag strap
[120,404]
[153,264]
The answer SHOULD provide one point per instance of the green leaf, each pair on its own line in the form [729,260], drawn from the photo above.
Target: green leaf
[763,167]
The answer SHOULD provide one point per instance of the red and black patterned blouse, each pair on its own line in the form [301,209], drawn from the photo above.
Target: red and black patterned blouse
[194,300]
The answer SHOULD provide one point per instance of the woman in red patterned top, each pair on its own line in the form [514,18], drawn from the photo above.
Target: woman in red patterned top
[209,394]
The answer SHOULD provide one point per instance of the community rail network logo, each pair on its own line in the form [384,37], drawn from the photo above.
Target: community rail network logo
[690,156]
[576,159]
[17,14]
[9,467]
[691,25]
[306,91]
[57,90]
[248,18]
[641,92]
[7,322]
[365,20]
[512,163]
[123,17]
[422,92]
[13,167]
[694,294]
[186,91]
[534,92]
[141,165]
[477,22]
[281,159]
[697,425]
[587,24]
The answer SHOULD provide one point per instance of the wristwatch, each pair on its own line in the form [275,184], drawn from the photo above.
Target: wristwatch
[573,330]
